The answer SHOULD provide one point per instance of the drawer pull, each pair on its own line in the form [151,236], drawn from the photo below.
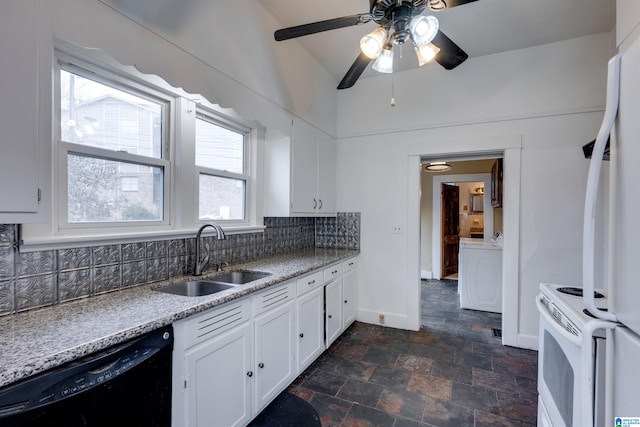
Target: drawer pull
[334,271]
[311,282]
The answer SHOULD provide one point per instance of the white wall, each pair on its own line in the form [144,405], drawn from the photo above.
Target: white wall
[548,99]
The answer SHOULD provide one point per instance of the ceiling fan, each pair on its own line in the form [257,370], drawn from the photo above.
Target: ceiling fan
[399,22]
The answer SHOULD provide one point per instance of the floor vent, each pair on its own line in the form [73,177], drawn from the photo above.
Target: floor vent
[497,332]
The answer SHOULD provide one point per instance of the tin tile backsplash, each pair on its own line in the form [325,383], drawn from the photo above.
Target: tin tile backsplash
[36,279]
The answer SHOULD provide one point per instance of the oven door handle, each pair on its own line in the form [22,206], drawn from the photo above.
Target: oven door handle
[554,323]
[588,366]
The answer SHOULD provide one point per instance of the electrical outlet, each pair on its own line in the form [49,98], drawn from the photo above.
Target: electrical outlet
[381,319]
[396,229]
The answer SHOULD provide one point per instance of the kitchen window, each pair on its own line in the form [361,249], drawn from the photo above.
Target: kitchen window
[222,169]
[113,157]
[117,134]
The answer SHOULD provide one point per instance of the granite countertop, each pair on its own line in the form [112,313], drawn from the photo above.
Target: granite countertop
[34,341]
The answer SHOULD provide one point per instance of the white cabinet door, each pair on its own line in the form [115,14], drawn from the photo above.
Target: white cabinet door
[274,361]
[219,380]
[327,171]
[333,310]
[304,174]
[310,327]
[19,118]
[348,298]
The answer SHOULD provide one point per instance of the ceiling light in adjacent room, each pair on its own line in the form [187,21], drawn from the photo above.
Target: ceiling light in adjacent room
[438,167]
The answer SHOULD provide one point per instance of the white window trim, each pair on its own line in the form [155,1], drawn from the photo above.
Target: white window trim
[182,218]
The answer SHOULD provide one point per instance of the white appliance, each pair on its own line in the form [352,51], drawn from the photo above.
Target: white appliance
[560,363]
[480,275]
[621,323]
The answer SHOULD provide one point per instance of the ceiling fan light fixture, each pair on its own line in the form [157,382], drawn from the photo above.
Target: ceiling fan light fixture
[438,167]
[384,63]
[426,53]
[424,29]
[372,44]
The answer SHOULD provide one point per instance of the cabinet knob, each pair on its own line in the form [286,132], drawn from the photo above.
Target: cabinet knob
[330,317]
[260,365]
[301,335]
[345,301]
[249,374]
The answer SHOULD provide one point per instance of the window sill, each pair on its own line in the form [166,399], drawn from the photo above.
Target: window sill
[66,242]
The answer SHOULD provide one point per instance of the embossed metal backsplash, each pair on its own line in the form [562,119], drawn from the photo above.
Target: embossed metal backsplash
[37,279]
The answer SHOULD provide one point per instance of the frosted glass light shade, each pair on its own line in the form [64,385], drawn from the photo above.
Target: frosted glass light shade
[424,29]
[384,63]
[372,44]
[426,53]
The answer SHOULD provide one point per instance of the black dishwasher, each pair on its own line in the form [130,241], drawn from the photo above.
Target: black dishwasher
[125,385]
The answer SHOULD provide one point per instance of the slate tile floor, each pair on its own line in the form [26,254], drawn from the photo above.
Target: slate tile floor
[453,372]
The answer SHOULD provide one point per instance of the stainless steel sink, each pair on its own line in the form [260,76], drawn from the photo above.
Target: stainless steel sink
[239,277]
[195,288]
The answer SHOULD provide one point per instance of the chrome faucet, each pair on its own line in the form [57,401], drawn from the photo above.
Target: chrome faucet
[201,263]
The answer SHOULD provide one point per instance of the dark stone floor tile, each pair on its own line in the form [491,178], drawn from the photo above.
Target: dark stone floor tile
[475,360]
[424,337]
[459,373]
[514,366]
[446,414]
[487,419]
[391,377]
[325,382]
[527,385]
[357,369]
[301,392]
[350,351]
[331,410]
[362,392]
[406,422]
[414,363]
[434,352]
[364,416]
[439,388]
[381,356]
[401,402]
[475,397]
[495,381]
[523,407]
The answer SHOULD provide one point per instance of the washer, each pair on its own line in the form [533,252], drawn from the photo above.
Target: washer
[480,275]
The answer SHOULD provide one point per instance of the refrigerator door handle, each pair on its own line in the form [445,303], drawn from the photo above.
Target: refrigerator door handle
[588,367]
[589,226]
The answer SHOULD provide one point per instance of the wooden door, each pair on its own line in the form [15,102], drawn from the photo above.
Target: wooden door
[450,228]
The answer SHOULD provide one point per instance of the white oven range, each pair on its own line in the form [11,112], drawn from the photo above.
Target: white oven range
[560,363]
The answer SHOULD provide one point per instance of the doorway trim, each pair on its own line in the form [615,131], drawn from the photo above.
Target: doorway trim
[436,209]
[511,148]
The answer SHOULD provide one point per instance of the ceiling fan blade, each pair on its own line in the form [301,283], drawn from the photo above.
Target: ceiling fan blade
[437,5]
[320,26]
[356,69]
[450,55]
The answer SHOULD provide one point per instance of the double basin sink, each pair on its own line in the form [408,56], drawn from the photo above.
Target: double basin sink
[221,282]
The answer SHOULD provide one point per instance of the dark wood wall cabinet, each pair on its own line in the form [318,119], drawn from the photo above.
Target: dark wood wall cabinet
[496,184]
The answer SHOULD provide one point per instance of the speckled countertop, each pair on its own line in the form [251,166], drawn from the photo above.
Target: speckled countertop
[34,341]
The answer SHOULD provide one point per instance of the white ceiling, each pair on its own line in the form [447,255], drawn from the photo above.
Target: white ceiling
[481,28]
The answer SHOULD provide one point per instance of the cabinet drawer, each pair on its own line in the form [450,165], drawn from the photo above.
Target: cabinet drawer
[330,273]
[213,322]
[349,264]
[309,282]
[273,297]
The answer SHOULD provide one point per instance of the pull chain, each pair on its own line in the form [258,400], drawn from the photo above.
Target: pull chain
[393,100]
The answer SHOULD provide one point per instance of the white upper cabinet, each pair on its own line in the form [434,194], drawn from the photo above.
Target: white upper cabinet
[20,121]
[300,172]
[627,22]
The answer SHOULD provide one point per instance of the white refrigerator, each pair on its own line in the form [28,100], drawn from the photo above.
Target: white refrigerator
[622,320]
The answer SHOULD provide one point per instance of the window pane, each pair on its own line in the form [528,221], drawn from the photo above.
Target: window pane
[99,192]
[98,115]
[221,198]
[219,148]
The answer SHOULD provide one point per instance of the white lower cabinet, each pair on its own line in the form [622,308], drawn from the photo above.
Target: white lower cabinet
[333,310]
[274,363]
[310,327]
[231,361]
[219,380]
